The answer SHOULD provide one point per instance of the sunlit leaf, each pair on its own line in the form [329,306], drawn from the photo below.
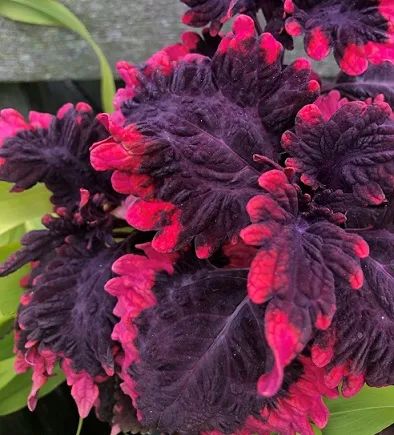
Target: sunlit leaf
[367,413]
[19,208]
[7,372]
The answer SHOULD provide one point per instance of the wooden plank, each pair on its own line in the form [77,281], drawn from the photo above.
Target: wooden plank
[126,29]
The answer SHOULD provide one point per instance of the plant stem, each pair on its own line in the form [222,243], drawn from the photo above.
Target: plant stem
[79,428]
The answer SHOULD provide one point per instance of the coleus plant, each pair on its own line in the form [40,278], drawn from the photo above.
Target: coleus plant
[219,256]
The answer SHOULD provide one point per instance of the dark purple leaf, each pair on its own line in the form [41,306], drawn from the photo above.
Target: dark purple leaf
[353,150]
[115,408]
[194,350]
[295,271]
[217,12]
[187,148]
[360,343]
[358,31]
[56,152]
[378,79]
[68,312]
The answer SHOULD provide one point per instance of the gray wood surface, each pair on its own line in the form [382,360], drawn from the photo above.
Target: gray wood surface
[125,29]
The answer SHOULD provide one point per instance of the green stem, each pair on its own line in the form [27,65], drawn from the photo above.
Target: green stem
[79,428]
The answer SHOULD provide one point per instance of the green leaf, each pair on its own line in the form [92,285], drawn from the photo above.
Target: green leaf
[10,293]
[7,372]
[6,346]
[367,413]
[19,208]
[10,289]
[13,235]
[33,224]
[6,324]
[13,396]
[25,14]
[316,430]
[59,13]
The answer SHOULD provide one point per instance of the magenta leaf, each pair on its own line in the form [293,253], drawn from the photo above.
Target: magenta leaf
[84,390]
[68,311]
[217,12]
[358,31]
[89,223]
[295,271]
[186,149]
[353,150]
[55,151]
[360,343]
[195,351]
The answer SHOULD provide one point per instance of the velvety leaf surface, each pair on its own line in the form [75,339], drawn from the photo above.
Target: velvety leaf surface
[194,350]
[378,79]
[352,150]
[90,223]
[360,342]
[205,372]
[116,408]
[273,13]
[351,211]
[67,310]
[71,261]
[295,271]
[217,12]
[358,31]
[250,72]
[55,151]
[187,148]
[65,314]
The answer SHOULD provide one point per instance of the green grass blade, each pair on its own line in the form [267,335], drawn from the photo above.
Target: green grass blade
[25,14]
[59,13]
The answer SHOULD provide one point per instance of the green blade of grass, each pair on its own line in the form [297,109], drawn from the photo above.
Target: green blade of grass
[25,14]
[52,13]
